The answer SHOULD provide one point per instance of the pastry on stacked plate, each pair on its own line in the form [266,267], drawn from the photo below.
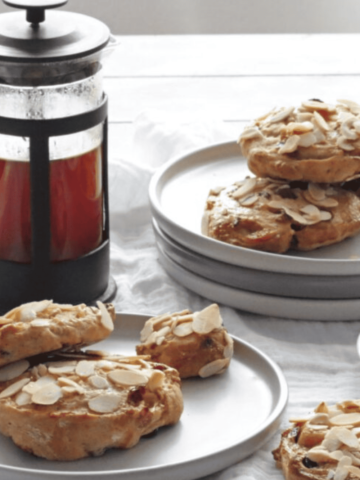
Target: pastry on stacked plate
[282,243]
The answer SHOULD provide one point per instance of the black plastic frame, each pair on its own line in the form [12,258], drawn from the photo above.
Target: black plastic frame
[72,281]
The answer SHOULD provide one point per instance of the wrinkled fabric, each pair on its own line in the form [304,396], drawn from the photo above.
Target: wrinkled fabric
[318,359]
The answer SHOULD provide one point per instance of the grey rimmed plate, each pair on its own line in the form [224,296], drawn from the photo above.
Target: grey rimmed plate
[259,281]
[225,419]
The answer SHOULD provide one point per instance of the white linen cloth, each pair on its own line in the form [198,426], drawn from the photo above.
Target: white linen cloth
[319,359]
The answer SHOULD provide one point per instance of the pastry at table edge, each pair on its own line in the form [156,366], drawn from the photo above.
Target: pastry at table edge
[276,215]
[72,409]
[40,327]
[196,344]
[324,446]
[316,142]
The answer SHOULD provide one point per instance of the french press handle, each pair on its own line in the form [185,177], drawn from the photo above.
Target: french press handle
[35,9]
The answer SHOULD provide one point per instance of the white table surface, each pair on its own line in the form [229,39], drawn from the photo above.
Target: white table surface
[171,93]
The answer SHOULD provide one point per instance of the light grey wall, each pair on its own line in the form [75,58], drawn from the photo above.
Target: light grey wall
[128,17]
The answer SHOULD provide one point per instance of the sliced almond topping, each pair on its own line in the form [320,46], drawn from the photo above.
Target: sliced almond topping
[278,205]
[14,388]
[229,348]
[5,321]
[342,468]
[316,192]
[213,368]
[313,105]
[347,131]
[98,382]
[355,471]
[343,143]
[322,408]
[207,320]
[156,380]
[160,339]
[146,331]
[105,403]
[312,211]
[29,311]
[324,216]
[281,115]
[346,419]
[319,456]
[33,387]
[128,377]
[183,330]
[307,139]
[356,126]
[42,369]
[299,127]
[85,368]
[248,185]
[250,200]
[249,133]
[320,419]
[23,398]
[352,106]
[47,395]
[337,454]
[321,122]
[61,370]
[106,320]
[67,382]
[290,145]
[331,441]
[13,370]
[347,437]
[40,322]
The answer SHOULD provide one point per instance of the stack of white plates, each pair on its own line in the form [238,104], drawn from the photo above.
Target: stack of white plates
[320,285]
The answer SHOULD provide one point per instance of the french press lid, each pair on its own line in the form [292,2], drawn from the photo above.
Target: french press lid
[42,35]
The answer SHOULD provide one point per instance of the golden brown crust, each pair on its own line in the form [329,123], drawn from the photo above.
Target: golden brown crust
[89,412]
[40,327]
[317,142]
[188,344]
[276,216]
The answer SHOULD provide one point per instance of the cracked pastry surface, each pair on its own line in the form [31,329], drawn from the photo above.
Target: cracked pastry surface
[196,344]
[276,216]
[316,142]
[44,326]
[71,409]
[324,446]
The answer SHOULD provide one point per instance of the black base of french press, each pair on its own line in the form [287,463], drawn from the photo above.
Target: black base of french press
[109,294]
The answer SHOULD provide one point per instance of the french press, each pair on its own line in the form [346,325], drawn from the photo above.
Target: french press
[54,209]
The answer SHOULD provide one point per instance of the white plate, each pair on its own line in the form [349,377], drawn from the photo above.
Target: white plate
[225,419]
[259,281]
[177,197]
[268,305]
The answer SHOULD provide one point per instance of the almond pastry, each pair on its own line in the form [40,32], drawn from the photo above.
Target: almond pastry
[276,215]
[40,327]
[324,446]
[74,408]
[316,142]
[196,344]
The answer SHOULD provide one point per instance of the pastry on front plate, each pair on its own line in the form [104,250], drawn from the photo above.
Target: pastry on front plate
[196,344]
[44,326]
[324,446]
[67,410]
[316,142]
[276,216]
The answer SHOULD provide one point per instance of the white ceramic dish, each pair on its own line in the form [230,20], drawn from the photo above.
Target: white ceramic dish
[177,195]
[226,418]
[259,281]
[268,305]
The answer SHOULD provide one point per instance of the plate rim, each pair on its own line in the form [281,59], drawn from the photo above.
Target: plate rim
[255,298]
[133,474]
[281,263]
